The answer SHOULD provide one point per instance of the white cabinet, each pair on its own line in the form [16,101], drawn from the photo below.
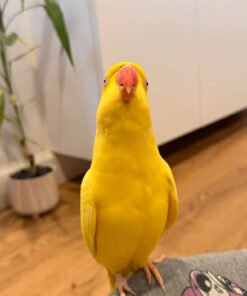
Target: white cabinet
[193,51]
[222,27]
[160,36]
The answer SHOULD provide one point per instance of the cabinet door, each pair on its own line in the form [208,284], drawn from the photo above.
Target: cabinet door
[161,37]
[223,57]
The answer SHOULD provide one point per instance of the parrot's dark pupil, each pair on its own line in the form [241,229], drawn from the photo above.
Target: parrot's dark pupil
[204,282]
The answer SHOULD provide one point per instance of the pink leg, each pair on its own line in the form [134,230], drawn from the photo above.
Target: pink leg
[161,259]
[150,269]
[122,285]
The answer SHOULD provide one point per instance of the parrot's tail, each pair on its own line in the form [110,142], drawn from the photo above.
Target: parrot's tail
[112,279]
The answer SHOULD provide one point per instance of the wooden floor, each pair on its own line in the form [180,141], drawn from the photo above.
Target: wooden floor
[47,256]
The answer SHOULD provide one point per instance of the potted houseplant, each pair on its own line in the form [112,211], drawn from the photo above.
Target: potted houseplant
[33,190]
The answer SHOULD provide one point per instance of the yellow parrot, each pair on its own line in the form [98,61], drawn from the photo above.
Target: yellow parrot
[128,196]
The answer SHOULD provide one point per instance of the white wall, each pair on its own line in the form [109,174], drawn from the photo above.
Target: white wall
[26,86]
[68,96]
[71,95]
[62,117]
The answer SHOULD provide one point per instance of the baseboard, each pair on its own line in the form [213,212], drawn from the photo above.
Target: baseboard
[188,145]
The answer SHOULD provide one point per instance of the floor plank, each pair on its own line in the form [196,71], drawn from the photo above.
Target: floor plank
[47,256]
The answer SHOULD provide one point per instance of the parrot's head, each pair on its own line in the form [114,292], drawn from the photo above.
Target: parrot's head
[124,98]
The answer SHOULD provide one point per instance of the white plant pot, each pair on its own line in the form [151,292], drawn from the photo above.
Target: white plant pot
[34,196]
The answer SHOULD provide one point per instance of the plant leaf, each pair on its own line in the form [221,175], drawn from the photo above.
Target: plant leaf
[9,119]
[22,4]
[17,138]
[22,41]
[55,15]
[2,105]
[11,39]
[34,142]
[12,100]
[22,55]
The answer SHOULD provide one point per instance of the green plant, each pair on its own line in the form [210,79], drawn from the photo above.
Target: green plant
[8,39]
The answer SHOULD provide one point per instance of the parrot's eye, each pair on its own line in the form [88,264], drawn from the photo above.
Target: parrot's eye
[146,84]
[105,81]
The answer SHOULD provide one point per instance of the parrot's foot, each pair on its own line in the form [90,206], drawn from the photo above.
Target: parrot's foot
[122,285]
[159,260]
[150,269]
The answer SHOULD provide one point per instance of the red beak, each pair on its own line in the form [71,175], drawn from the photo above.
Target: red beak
[127,81]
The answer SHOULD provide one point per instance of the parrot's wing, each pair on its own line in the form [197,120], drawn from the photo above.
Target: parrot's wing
[173,198]
[88,214]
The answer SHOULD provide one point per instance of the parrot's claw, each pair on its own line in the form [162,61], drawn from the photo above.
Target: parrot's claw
[148,274]
[159,260]
[122,285]
[151,269]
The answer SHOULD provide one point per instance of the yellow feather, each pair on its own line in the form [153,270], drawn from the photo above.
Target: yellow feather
[128,197]
[88,215]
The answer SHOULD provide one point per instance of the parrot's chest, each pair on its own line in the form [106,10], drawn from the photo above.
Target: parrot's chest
[134,185]
[130,193]
[132,201]
[131,219]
